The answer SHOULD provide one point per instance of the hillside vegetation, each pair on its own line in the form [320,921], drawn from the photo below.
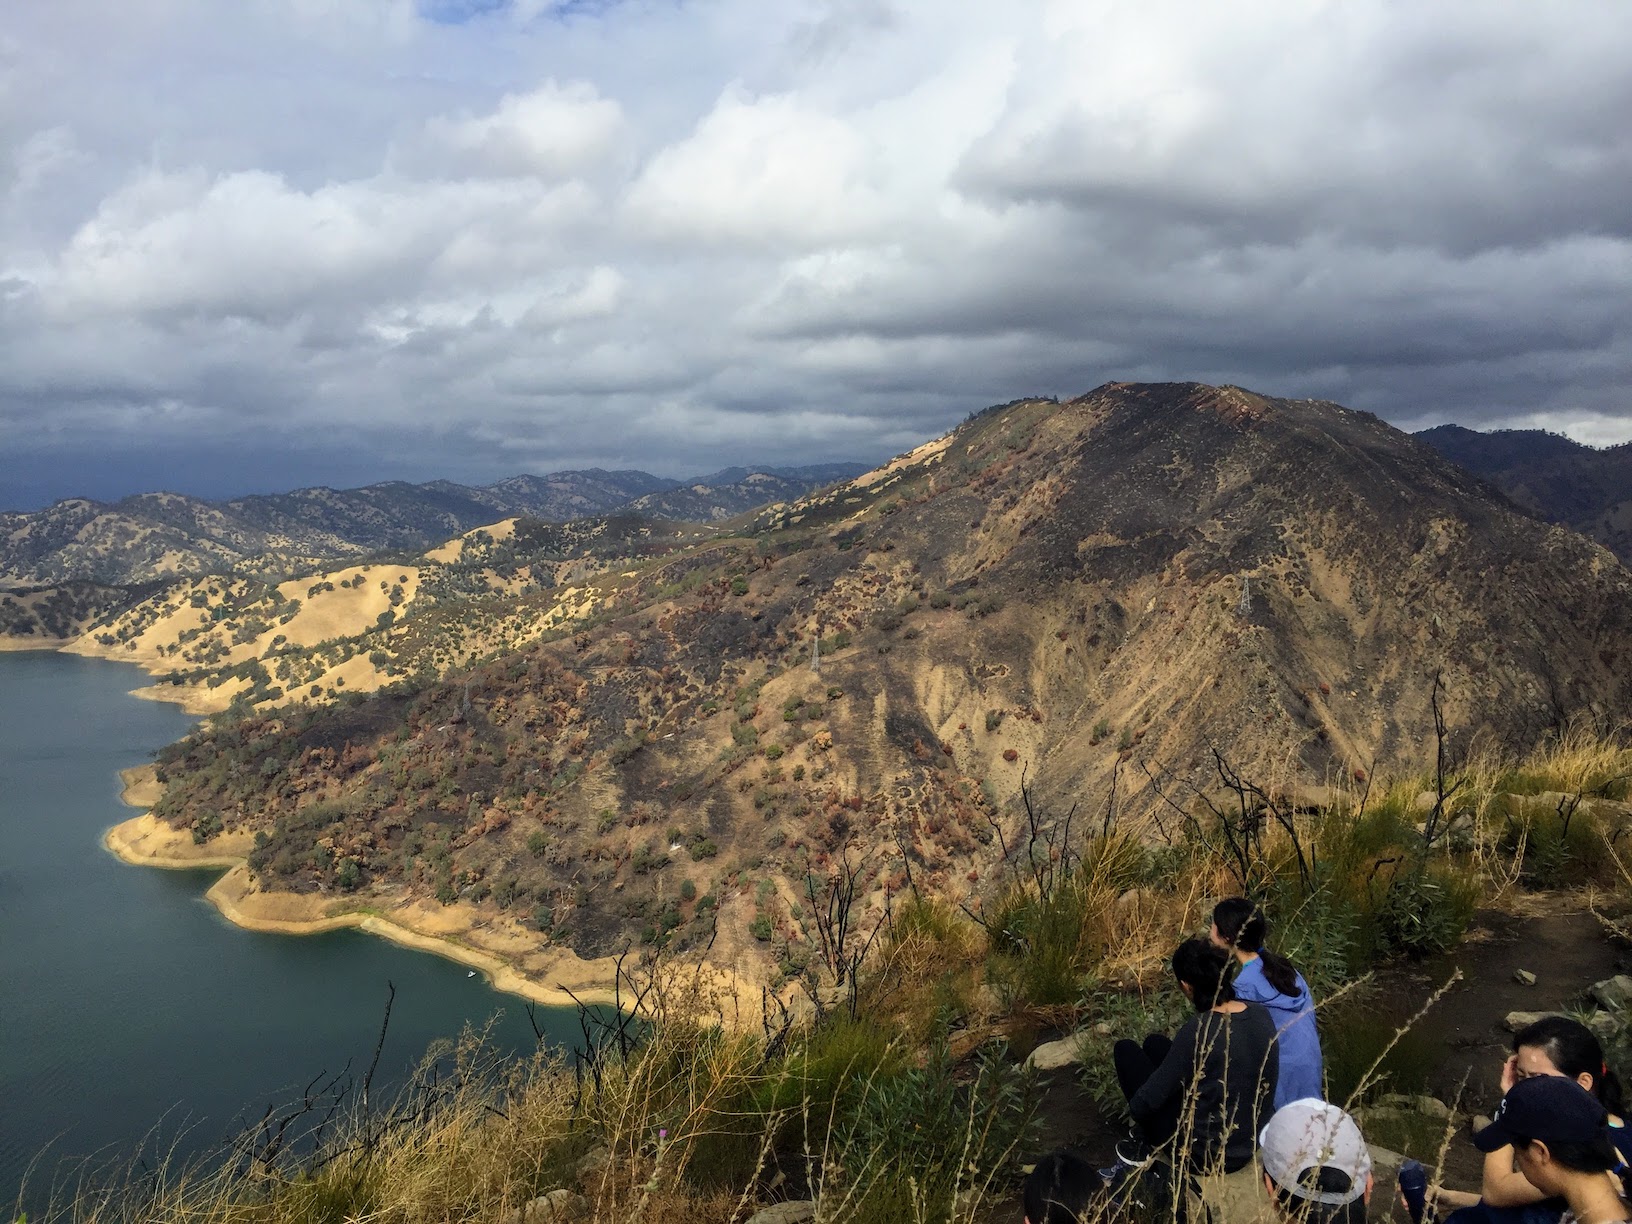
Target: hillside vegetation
[893,1087]
[1563,481]
[159,536]
[1111,597]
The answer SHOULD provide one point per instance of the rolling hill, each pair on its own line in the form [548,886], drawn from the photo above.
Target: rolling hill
[1095,595]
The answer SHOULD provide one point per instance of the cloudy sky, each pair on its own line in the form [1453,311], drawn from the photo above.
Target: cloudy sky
[259,244]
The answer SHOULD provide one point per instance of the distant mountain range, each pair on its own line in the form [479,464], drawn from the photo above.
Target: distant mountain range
[1559,479]
[164,535]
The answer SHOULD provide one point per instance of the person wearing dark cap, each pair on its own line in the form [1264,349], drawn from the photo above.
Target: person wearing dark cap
[1558,1132]
[1317,1167]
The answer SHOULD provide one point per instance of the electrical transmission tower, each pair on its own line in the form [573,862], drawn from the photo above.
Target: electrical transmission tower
[1243,606]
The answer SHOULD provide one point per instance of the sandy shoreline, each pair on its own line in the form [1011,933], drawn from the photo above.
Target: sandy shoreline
[503,953]
[506,954]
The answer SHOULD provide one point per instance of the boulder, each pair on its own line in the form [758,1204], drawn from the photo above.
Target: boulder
[794,1211]
[1052,1055]
[1433,1107]
[1385,1165]
[1613,993]
[1517,1020]
[556,1207]
[1605,1026]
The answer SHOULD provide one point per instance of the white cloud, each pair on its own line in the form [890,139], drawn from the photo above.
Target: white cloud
[675,234]
[762,171]
[555,131]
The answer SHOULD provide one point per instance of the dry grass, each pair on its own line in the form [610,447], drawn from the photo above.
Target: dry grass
[869,1113]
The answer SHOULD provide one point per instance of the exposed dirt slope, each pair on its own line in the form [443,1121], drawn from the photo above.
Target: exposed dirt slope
[1056,588]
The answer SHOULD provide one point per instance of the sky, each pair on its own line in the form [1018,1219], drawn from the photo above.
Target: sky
[265,244]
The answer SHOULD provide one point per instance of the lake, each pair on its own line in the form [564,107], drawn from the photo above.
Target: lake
[129,1008]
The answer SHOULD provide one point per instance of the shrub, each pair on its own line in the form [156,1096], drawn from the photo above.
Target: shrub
[760,928]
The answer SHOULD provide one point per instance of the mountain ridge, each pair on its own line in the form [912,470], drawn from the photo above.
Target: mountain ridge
[1586,488]
[157,535]
[1097,594]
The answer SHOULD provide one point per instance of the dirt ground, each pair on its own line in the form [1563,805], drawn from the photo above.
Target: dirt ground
[1567,951]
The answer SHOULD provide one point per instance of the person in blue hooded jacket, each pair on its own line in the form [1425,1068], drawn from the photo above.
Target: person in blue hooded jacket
[1270,980]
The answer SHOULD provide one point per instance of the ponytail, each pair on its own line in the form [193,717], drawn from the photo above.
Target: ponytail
[1242,924]
[1278,972]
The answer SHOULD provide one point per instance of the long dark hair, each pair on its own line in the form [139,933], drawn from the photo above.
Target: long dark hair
[1571,1047]
[1206,970]
[1242,923]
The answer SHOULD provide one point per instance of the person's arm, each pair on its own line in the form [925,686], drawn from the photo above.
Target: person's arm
[1502,1185]
[1168,1080]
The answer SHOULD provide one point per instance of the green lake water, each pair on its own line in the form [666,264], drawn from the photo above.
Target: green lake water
[130,1011]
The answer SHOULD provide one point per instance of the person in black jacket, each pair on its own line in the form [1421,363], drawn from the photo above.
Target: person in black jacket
[1211,1088]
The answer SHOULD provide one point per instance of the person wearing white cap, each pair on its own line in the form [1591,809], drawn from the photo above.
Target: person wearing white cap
[1317,1167]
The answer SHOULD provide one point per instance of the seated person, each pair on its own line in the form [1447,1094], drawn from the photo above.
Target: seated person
[1210,1088]
[1239,927]
[1552,1046]
[1058,1189]
[1317,1167]
[1559,1135]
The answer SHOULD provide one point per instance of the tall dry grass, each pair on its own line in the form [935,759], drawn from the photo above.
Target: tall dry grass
[869,1111]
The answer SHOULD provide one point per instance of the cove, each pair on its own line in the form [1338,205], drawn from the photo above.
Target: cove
[132,1015]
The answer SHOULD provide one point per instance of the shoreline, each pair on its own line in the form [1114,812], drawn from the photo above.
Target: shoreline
[145,841]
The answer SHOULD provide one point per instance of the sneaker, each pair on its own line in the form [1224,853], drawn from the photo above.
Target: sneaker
[1133,1152]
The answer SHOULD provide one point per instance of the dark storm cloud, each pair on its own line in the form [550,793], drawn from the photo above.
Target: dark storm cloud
[292,241]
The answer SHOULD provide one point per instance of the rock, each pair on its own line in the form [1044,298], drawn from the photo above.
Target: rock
[1385,1165]
[1052,1055]
[1479,1123]
[1524,977]
[1613,993]
[1517,1020]
[1433,1107]
[593,1162]
[1605,1026]
[794,1211]
[1103,1029]
[556,1207]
